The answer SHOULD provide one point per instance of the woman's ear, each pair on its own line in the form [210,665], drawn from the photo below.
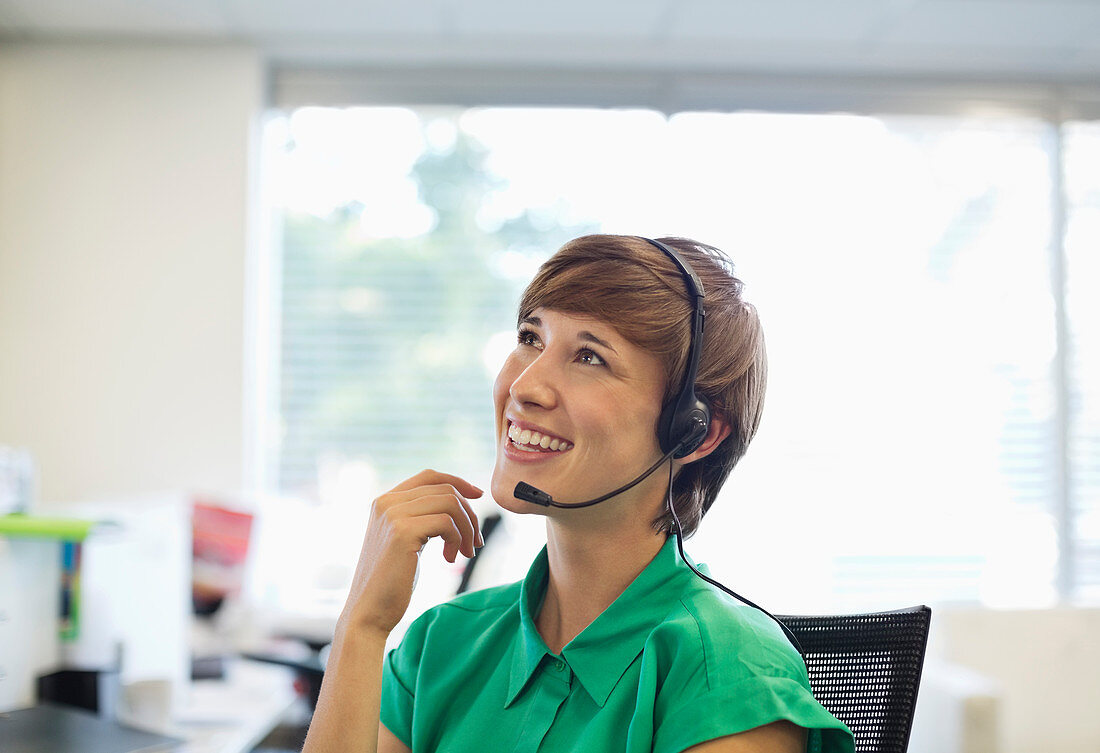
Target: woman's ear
[717,430]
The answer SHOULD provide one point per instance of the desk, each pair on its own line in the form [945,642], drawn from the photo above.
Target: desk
[218,716]
[61,729]
[234,714]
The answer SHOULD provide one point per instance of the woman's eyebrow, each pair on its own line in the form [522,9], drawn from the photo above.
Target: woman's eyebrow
[584,335]
[589,337]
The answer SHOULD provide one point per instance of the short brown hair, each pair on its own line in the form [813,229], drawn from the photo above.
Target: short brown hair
[637,289]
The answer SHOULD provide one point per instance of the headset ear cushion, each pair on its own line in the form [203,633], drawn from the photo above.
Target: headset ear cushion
[684,422]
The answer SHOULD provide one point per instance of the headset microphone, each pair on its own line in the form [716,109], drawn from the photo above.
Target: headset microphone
[528,493]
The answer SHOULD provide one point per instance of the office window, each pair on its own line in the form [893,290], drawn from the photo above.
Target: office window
[910,445]
[1082,197]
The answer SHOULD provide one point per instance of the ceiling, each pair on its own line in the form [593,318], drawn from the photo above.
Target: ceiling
[1034,40]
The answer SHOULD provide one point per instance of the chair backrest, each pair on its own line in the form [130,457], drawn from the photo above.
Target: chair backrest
[865,669]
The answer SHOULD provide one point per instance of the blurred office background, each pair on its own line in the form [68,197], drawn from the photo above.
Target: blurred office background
[269,253]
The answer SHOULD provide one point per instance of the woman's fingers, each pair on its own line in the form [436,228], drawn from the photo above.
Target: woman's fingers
[458,509]
[425,527]
[428,477]
[436,498]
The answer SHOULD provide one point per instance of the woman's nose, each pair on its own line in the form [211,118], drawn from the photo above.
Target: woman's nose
[536,384]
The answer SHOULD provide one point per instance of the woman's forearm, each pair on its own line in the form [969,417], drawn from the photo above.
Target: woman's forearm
[346,718]
[401,522]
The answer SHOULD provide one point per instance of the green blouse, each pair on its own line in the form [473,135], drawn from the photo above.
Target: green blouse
[672,663]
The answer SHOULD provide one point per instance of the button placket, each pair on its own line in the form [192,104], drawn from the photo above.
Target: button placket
[550,690]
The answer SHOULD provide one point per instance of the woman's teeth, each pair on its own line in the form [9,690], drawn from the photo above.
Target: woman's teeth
[528,440]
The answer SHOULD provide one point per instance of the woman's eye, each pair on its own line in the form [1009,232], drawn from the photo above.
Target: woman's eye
[527,337]
[590,357]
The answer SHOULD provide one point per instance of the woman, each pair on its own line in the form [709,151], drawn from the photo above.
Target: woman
[610,643]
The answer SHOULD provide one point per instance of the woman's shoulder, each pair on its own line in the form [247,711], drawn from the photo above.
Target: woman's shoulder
[485,599]
[725,667]
[720,659]
[728,640]
[470,611]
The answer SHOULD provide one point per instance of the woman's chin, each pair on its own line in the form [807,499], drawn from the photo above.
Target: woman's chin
[503,490]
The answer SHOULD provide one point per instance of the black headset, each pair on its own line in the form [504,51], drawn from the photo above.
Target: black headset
[685,419]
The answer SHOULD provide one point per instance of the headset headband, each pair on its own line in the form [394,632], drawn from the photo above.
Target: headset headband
[685,419]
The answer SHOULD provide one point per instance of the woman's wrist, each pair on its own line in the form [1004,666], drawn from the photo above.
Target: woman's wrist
[359,630]
[355,649]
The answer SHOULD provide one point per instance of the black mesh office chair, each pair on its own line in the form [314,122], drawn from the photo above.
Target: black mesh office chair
[865,669]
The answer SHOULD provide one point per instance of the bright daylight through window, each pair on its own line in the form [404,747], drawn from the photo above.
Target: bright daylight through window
[909,451]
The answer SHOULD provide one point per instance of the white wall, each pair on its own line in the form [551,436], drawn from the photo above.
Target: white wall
[1046,665]
[123,208]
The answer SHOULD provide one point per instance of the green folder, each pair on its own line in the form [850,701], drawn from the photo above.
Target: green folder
[33,526]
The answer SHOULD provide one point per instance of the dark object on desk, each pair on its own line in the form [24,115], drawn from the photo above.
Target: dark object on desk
[94,690]
[865,669]
[58,729]
[205,607]
[207,667]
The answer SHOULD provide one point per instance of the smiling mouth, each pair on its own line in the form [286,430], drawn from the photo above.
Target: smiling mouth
[527,440]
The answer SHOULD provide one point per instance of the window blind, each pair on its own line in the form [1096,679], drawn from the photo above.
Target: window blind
[1082,197]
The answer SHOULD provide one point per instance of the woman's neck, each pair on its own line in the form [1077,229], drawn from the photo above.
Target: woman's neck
[588,570]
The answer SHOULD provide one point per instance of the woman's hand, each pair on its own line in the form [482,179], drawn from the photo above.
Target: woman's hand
[401,522]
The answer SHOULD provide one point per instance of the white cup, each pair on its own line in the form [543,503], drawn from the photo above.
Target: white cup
[147,704]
